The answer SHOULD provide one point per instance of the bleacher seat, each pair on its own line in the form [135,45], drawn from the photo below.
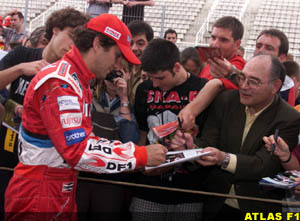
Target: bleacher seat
[282,15]
[181,14]
[34,7]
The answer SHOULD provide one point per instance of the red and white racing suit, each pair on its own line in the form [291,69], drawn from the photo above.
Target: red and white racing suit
[56,140]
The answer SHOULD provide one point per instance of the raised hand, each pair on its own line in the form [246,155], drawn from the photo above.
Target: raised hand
[281,149]
[179,140]
[121,88]
[187,117]
[219,68]
[31,68]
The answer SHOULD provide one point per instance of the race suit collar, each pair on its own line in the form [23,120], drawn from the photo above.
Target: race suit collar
[74,57]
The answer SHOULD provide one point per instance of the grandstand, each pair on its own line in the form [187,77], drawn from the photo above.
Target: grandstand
[283,15]
[186,15]
[35,7]
[165,14]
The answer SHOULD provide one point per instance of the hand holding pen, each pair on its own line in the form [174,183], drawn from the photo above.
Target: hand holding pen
[277,146]
[182,131]
[273,145]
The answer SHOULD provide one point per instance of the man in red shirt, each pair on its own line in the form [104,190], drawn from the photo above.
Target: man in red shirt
[226,34]
[275,42]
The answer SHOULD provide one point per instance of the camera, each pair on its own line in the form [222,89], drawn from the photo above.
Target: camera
[113,74]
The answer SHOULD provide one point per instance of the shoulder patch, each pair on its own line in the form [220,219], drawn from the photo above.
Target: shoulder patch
[68,103]
[69,120]
[62,73]
[74,136]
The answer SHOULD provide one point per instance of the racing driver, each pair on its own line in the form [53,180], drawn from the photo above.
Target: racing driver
[56,138]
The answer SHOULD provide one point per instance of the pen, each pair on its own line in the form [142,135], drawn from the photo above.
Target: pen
[182,131]
[273,145]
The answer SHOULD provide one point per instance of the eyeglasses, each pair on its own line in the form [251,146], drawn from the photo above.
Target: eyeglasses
[251,82]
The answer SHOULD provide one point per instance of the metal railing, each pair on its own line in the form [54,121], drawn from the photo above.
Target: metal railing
[40,20]
[205,26]
[162,16]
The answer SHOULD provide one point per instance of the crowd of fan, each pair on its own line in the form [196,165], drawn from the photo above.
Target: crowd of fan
[236,105]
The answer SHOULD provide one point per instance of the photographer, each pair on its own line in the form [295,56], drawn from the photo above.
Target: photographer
[111,97]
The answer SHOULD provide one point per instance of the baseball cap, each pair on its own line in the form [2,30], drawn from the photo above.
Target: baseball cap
[111,26]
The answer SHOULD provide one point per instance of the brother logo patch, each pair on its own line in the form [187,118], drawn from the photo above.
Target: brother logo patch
[74,136]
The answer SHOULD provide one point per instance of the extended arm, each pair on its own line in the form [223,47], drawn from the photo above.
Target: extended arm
[76,143]
[135,3]
[226,71]
[204,98]
[10,74]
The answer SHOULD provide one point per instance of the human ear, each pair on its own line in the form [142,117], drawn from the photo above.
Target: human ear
[276,85]
[176,67]
[282,58]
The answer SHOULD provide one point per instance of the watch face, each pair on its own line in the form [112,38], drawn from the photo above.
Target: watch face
[233,73]
[226,161]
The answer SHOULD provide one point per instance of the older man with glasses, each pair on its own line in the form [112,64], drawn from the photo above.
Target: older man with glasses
[233,132]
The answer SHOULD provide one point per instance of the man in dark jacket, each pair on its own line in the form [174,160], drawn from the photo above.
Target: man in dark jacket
[237,122]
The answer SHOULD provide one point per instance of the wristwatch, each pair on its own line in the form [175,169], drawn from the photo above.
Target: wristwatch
[226,160]
[124,104]
[232,74]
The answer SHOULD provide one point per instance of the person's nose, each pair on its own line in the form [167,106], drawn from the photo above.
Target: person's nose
[215,43]
[259,50]
[117,64]
[134,47]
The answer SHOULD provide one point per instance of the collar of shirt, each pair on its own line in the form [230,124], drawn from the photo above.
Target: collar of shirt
[107,105]
[74,57]
[250,118]
[257,113]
